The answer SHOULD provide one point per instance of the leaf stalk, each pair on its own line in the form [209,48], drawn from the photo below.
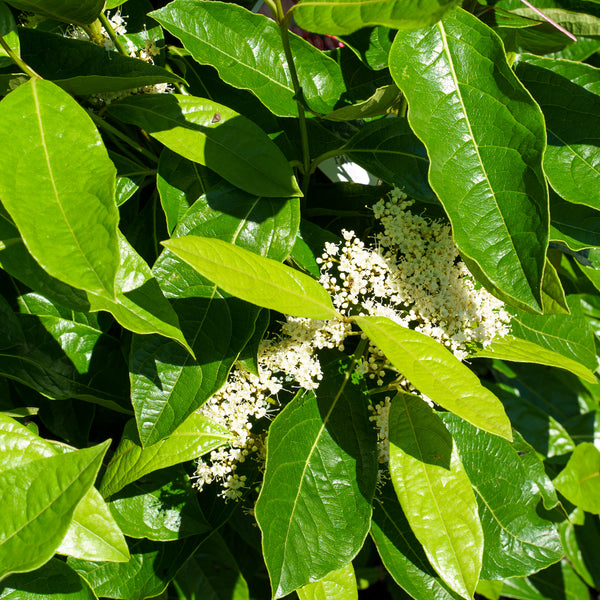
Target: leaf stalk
[18,60]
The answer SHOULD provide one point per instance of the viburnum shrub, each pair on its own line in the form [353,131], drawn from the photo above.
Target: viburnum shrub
[300,305]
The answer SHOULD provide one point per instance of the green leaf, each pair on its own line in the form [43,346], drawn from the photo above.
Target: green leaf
[51,488]
[8,31]
[518,542]
[81,12]
[575,225]
[580,543]
[337,585]
[554,300]
[83,68]
[256,279]
[247,51]
[147,574]
[524,351]
[320,477]
[437,373]
[248,357]
[400,551]
[569,335]
[162,507]
[93,533]
[572,159]
[215,136]
[167,384]
[376,105]
[485,138]
[579,481]
[195,437]
[59,186]
[390,150]
[345,16]
[55,580]
[372,45]
[435,492]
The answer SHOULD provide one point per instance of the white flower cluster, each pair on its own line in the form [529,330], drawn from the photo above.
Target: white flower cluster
[288,360]
[413,276]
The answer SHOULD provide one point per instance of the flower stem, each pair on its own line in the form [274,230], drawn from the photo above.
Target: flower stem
[112,34]
[17,60]
[283,21]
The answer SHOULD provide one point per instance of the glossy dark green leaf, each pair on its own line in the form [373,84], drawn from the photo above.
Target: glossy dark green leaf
[518,542]
[131,461]
[390,150]
[320,477]
[147,574]
[346,16]
[51,488]
[215,136]
[247,50]
[575,225]
[82,68]
[337,585]
[580,542]
[485,138]
[401,552]
[437,373]
[520,350]
[568,335]
[167,384]
[435,493]
[572,159]
[180,182]
[60,186]
[161,507]
[81,12]
[55,580]
[579,481]
[32,356]
[254,278]
[213,573]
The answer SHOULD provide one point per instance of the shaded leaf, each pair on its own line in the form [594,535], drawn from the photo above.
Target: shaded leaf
[376,105]
[579,481]
[215,136]
[435,493]
[60,186]
[51,488]
[195,437]
[253,278]
[346,16]
[81,12]
[437,373]
[320,478]
[247,51]
[575,225]
[371,45]
[485,138]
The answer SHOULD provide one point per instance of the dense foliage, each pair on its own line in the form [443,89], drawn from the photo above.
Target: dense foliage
[224,374]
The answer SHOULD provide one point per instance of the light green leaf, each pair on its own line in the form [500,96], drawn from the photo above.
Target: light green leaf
[524,351]
[345,16]
[337,585]
[162,507]
[215,136]
[485,138]
[44,583]
[320,477]
[435,493]
[50,488]
[572,159]
[167,384]
[518,541]
[390,150]
[195,437]
[256,279]
[59,185]
[400,551]
[247,51]
[81,12]
[437,373]
[579,481]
